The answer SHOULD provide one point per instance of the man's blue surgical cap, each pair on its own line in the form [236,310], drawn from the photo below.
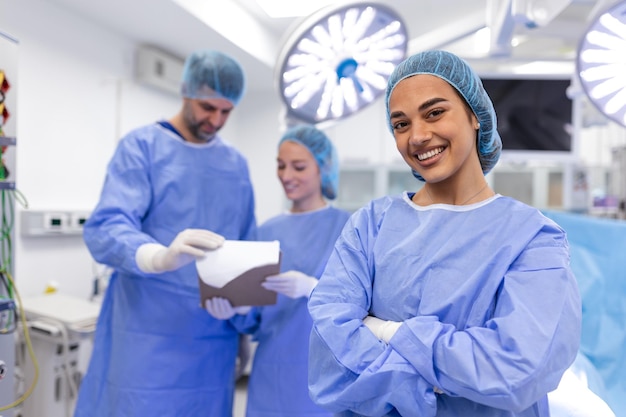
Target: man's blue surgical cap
[322,150]
[459,75]
[212,74]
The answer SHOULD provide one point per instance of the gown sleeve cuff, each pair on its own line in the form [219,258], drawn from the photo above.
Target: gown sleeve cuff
[144,257]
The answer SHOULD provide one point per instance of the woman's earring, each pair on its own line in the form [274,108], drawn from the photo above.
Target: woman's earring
[477,126]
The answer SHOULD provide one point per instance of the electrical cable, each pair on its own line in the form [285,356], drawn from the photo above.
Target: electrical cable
[8,198]
[6,229]
[7,308]
[72,387]
[28,345]
[6,249]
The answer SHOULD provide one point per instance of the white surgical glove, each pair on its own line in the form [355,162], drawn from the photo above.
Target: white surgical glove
[382,329]
[293,284]
[221,309]
[188,245]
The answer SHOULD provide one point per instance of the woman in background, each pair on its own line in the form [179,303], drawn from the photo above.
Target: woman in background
[308,169]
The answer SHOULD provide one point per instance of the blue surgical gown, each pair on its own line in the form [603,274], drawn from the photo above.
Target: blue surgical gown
[277,386]
[490,311]
[157,352]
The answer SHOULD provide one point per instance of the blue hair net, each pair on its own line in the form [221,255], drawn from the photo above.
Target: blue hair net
[459,75]
[322,150]
[212,74]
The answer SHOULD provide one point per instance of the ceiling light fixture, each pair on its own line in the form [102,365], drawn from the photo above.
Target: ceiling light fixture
[338,61]
[601,63]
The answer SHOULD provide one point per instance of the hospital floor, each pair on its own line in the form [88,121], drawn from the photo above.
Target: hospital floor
[241,395]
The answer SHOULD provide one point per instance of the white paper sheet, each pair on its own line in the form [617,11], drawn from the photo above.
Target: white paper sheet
[222,265]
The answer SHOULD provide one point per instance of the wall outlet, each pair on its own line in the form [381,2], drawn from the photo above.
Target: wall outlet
[55,222]
[52,223]
[77,220]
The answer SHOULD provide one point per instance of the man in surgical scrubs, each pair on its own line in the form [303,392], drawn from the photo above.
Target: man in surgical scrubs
[174,189]
[308,169]
[452,300]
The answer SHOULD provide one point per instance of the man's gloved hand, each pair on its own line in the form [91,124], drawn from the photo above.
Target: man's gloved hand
[184,249]
[293,284]
[382,329]
[221,309]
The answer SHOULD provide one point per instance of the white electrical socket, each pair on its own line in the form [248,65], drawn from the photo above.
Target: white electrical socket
[78,219]
[55,221]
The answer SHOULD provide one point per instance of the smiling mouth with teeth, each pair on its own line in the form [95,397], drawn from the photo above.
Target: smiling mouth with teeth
[430,154]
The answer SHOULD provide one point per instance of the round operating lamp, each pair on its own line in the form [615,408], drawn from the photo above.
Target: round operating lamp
[337,60]
[601,63]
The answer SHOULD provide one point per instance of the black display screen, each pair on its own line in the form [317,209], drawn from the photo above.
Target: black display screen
[533,114]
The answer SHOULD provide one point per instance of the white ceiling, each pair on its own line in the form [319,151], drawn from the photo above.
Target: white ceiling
[240,28]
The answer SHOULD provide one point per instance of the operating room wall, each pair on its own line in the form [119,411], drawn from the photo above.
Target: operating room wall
[66,125]
[75,98]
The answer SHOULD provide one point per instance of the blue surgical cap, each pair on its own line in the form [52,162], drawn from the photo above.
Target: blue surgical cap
[322,150]
[212,74]
[459,75]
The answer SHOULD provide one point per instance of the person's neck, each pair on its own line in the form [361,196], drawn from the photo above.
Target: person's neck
[304,206]
[467,188]
[181,127]
[462,199]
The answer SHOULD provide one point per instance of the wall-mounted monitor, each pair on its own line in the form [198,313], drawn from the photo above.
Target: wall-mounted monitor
[534,115]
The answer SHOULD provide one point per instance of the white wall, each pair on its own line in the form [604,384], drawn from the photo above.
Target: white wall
[66,125]
[254,128]
[75,97]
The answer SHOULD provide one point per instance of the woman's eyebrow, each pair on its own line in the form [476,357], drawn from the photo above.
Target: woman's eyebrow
[431,102]
[428,103]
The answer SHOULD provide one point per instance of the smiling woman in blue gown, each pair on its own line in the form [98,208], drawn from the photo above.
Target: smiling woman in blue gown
[449,301]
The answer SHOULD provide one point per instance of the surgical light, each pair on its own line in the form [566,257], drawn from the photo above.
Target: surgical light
[601,63]
[337,61]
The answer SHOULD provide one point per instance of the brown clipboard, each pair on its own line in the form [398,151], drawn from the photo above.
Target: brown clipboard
[246,289]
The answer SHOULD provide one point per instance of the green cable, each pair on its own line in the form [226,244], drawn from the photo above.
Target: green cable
[6,229]
[2,167]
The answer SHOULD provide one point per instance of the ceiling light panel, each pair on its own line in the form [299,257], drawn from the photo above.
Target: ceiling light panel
[601,63]
[338,60]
